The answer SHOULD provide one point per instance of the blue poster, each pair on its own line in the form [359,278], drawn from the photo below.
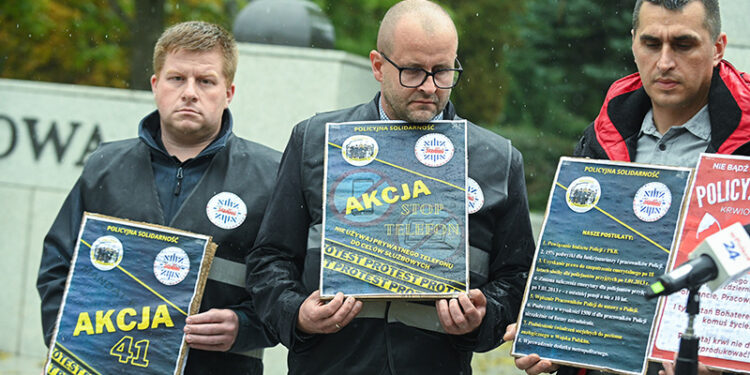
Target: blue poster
[607,235]
[394,210]
[130,287]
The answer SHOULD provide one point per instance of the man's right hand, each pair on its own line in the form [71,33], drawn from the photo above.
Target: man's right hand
[532,364]
[316,316]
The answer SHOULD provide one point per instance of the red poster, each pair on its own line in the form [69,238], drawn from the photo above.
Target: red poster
[719,197]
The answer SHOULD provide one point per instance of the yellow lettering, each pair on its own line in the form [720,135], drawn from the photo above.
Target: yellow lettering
[121,319]
[84,324]
[420,188]
[387,198]
[161,316]
[353,204]
[369,200]
[144,323]
[390,195]
[104,320]
[53,370]
[407,194]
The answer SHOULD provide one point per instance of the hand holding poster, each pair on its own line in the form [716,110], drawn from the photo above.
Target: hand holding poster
[394,210]
[130,287]
[719,197]
[607,234]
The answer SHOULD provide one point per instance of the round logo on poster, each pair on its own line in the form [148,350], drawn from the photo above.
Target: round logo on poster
[359,150]
[652,201]
[583,194]
[171,266]
[434,149]
[106,253]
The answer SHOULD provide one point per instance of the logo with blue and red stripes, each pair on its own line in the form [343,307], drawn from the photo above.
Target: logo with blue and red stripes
[652,201]
[171,266]
[226,210]
[474,196]
[434,150]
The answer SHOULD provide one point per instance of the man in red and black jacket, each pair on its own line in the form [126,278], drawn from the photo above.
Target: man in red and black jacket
[616,132]
[684,100]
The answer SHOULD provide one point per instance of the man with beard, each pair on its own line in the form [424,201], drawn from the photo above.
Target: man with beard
[416,64]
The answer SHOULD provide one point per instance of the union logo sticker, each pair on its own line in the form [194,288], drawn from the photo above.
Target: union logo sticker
[583,194]
[106,253]
[171,266]
[359,150]
[434,149]
[474,196]
[226,210]
[652,201]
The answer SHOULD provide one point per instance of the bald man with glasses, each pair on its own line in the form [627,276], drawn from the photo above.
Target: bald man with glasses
[417,66]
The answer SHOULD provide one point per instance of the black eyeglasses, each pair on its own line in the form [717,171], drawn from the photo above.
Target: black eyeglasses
[415,77]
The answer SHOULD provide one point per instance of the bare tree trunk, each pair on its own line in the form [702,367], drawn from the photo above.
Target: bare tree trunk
[147,26]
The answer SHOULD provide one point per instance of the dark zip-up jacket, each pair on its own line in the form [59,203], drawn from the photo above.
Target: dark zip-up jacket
[284,267]
[614,133]
[133,179]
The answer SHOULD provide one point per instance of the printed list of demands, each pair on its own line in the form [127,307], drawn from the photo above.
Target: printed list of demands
[586,297]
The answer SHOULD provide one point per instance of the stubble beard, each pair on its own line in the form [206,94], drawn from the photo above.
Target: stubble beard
[402,112]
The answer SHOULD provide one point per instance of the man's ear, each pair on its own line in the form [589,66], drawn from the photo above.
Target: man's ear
[720,46]
[376,62]
[230,93]
[154,79]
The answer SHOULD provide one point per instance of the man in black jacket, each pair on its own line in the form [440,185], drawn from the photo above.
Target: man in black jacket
[684,100]
[417,46]
[185,157]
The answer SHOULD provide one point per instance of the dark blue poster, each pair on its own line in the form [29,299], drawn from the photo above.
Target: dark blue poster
[394,210]
[130,288]
[607,234]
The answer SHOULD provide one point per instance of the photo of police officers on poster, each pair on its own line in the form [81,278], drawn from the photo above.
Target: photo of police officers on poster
[395,210]
[607,234]
[130,287]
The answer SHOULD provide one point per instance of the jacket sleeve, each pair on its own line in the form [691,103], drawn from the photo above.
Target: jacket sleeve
[248,336]
[276,262]
[588,146]
[510,258]
[57,252]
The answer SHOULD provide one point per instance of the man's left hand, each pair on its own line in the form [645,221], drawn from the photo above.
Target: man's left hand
[214,330]
[464,314]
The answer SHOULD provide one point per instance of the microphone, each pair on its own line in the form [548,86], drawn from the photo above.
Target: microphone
[722,258]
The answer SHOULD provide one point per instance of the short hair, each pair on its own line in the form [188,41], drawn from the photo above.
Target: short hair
[712,21]
[197,36]
[426,11]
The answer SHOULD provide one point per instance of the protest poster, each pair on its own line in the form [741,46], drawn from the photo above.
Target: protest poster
[130,287]
[607,234]
[394,210]
[719,197]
